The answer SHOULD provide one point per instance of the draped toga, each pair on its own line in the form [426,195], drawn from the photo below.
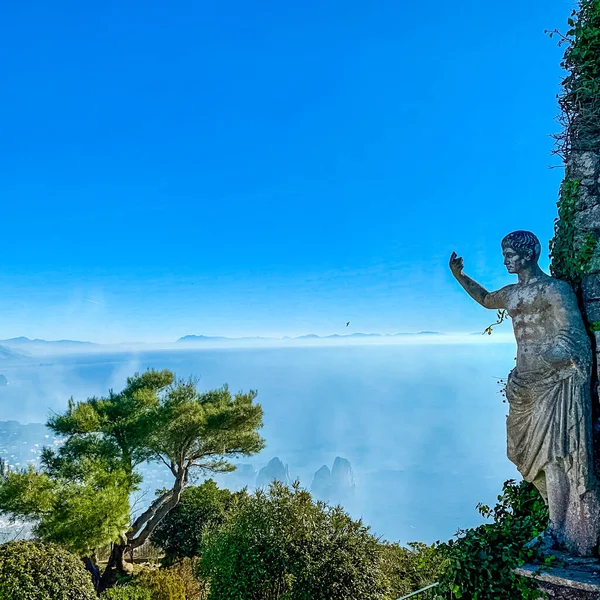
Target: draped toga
[549,418]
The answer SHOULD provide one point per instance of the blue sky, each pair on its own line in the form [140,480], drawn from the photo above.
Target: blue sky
[271,168]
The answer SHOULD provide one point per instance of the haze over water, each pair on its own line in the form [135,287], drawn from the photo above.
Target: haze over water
[422,425]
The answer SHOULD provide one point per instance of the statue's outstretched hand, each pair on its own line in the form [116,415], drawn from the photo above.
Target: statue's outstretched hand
[456,264]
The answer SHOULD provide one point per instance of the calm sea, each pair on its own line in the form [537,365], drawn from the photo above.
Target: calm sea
[422,425]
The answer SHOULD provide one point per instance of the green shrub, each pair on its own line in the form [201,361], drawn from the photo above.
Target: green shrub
[127,592]
[411,568]
[281,544]
[165,584]
[179,533]
[37,571]
[481,561]
[186,569]
[150,584]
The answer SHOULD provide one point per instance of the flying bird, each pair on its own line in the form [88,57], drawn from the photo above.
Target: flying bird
[348,323]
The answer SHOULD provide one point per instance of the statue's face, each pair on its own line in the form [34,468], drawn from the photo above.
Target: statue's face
[514,261]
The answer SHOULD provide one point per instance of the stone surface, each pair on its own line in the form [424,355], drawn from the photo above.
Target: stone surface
[274,471]
[588,219]
[342,477]
[336,486]
[321,484]
[574,581]
[549,425]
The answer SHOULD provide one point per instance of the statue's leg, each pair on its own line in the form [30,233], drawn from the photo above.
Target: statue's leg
[546,540]
[540,483]
[558,490]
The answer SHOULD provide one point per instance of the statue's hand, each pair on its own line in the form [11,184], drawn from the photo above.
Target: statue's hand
[456,264]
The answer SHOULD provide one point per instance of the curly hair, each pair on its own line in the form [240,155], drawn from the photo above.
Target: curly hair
[523,240]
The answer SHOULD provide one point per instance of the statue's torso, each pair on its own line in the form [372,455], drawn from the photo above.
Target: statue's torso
[537,312]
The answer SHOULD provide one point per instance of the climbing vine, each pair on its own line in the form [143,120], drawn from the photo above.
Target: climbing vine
[579,102]
[502,315]
[570,256]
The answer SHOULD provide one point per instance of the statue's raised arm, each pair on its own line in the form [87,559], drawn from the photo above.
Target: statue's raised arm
[487,299]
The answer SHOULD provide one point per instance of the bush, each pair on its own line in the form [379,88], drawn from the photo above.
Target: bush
[127,592]
[281,544]
[37,571]
[150,584]
[179,533]
[186,569]
[411,568]
[481,561]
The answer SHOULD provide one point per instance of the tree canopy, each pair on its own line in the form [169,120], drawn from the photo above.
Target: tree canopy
[80,495]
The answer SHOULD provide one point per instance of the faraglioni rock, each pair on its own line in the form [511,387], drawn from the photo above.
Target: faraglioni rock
[337,485]
[321,484]
[275,470]
[549,425]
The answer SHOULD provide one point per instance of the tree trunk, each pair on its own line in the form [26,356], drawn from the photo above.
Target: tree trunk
[139,533]
[92,566]
[117,565]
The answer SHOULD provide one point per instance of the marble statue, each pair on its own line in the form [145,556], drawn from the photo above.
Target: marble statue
[549,425]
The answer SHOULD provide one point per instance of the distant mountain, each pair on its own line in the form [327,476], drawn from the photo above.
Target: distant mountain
[200,338]
[20,346]
[308,336]
[23,341]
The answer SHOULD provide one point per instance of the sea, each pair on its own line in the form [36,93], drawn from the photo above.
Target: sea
[422,425]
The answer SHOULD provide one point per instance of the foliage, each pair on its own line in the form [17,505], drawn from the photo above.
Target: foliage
[179,534]
[127,592]
[164,584]
[79,515]
[579,102]
[502,315]
[37,571]
[281,545]
[411,568]
[481,561]
[186,569]
[150,584]
[570,257]
[580,97]
[80,496]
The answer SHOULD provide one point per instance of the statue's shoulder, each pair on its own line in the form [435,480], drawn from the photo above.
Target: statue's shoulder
[559,287]
[558,284]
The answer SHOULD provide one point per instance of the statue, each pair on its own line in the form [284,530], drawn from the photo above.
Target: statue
[549,425]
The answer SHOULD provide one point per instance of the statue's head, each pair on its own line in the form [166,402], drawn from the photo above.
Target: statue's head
[521,249]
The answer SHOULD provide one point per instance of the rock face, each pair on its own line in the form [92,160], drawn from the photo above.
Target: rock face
[584,167]
[274,471]
[342,477]
[336,486]
[321,484]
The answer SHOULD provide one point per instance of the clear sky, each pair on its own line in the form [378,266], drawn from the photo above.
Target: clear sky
[273,168]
